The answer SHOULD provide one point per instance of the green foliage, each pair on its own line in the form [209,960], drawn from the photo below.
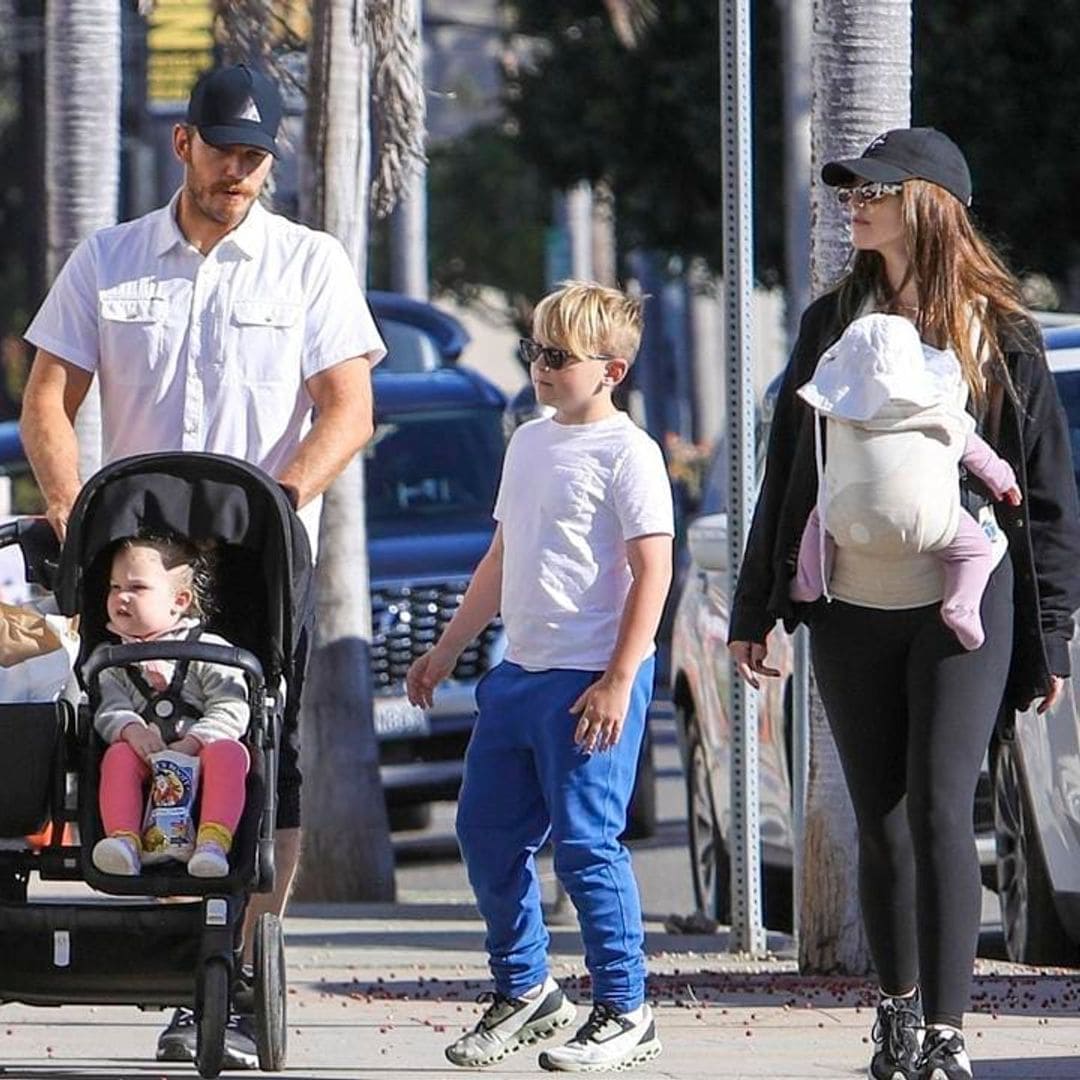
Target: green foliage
[998,78]
[488,216]
[648,120]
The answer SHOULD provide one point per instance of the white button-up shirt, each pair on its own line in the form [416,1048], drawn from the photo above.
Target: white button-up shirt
[209,352]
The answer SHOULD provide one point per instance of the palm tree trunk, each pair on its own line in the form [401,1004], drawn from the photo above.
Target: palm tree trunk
[861,87]
[347,854]
[82,150]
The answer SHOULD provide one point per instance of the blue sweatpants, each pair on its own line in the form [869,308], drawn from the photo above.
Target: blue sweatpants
[525,780]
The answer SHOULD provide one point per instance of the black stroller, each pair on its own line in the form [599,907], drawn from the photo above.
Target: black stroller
[133,950]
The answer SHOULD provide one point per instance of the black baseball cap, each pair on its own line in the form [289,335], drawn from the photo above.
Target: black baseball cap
[921,153]
[236,105]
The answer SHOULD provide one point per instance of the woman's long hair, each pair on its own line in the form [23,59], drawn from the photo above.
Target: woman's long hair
[957,276]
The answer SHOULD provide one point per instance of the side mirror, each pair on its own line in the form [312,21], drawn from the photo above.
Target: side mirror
[707,539]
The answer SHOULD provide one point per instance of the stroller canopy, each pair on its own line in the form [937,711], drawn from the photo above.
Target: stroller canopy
[264,579]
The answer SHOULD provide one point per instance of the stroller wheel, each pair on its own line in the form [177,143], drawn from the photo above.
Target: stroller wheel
[211,1017]
[270,990]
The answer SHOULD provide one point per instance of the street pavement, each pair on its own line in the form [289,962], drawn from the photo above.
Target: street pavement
[377,991]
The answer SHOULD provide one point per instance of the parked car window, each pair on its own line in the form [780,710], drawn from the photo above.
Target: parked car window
[1068,385]
[408,348]
[442,465]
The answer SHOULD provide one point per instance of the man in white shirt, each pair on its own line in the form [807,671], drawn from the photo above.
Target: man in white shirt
[212,325]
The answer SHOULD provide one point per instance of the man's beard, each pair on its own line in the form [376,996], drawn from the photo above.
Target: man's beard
[202,197]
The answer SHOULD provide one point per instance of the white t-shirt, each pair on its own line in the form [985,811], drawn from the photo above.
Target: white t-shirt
[571,496]
[207,352]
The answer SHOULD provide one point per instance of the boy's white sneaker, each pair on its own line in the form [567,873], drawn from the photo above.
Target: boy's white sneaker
[607,1041]
[511,1023]
[117,855]
[208,860]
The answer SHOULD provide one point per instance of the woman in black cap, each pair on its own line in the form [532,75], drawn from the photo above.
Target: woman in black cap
[912,711]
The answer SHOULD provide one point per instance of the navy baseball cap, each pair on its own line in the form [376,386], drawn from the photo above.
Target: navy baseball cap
[921,153]
[236,105]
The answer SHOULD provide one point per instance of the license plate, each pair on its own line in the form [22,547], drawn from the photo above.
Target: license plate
[396,718]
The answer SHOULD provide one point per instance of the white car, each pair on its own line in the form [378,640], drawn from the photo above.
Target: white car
[1027,805]
[1036,775]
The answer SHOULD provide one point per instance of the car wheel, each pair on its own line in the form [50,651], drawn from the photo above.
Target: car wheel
[1033,930]
[710,869]
[641,816]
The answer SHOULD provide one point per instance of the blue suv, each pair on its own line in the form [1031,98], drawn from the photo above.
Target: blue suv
[431,473]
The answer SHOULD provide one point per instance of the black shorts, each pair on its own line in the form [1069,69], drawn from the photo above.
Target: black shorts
[288,777]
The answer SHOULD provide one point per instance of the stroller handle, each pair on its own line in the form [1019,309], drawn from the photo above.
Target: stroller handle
[39,546]
[108,656]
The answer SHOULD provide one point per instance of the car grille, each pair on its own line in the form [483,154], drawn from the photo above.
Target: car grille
[406,622]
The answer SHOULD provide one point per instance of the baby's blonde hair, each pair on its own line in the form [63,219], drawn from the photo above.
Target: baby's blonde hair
[588,319]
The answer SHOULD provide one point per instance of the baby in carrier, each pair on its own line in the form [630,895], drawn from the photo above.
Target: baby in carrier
[159,591]
[897,433]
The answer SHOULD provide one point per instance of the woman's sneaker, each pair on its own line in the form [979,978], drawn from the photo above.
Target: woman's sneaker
[897,1039]
[117,855]
[607,1040]
[511,1023]
[943,1056]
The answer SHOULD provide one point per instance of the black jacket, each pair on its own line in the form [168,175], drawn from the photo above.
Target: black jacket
[1043,532]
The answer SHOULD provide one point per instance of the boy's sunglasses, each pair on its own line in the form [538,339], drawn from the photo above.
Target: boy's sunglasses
[532,352]
[866,193]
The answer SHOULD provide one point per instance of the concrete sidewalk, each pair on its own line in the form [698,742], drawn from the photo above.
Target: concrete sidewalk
[377,991]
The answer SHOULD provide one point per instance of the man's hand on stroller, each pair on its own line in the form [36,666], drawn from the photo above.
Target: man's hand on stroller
[144,739]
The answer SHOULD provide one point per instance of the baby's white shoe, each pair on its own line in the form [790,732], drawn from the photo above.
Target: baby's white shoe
[117,855]
[208,860]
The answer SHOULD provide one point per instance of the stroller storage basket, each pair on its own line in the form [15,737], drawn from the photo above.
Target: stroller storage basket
[131,954]
[31,765]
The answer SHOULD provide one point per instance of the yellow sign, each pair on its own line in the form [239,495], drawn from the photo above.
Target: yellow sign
[180,43]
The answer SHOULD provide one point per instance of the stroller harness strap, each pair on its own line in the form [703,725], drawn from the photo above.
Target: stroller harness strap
[166,707]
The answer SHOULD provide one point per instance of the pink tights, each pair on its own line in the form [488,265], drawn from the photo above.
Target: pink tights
[223,766]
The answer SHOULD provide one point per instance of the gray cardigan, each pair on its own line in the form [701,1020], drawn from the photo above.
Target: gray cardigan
[217,692]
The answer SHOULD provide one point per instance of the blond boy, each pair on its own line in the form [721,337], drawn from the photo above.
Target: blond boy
[579,569]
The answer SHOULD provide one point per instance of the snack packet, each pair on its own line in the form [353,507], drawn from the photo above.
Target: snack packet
[169,823]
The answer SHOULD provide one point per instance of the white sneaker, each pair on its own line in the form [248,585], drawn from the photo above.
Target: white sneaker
[606,1041]
[117,855]
[943,1056]
[511,1023]
[208,860]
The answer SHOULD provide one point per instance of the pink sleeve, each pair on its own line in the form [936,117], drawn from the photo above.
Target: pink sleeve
[980,459]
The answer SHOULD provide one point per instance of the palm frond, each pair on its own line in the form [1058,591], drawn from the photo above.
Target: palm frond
[397,99]
[630,19]
[258,32]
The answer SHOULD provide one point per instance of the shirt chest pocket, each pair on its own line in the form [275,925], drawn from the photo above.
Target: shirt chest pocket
[132,330]
[266,340]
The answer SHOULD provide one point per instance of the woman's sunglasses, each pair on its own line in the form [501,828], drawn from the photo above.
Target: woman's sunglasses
[532,352]
[866,193]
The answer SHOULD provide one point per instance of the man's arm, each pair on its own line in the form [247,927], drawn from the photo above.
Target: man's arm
[53,394]
[343,424]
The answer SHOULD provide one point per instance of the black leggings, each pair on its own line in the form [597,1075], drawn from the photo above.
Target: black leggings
[912,713]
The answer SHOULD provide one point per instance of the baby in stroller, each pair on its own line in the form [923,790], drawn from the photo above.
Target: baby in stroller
[160,590]
[118,945]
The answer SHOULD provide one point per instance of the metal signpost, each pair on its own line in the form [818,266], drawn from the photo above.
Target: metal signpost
[747,931]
